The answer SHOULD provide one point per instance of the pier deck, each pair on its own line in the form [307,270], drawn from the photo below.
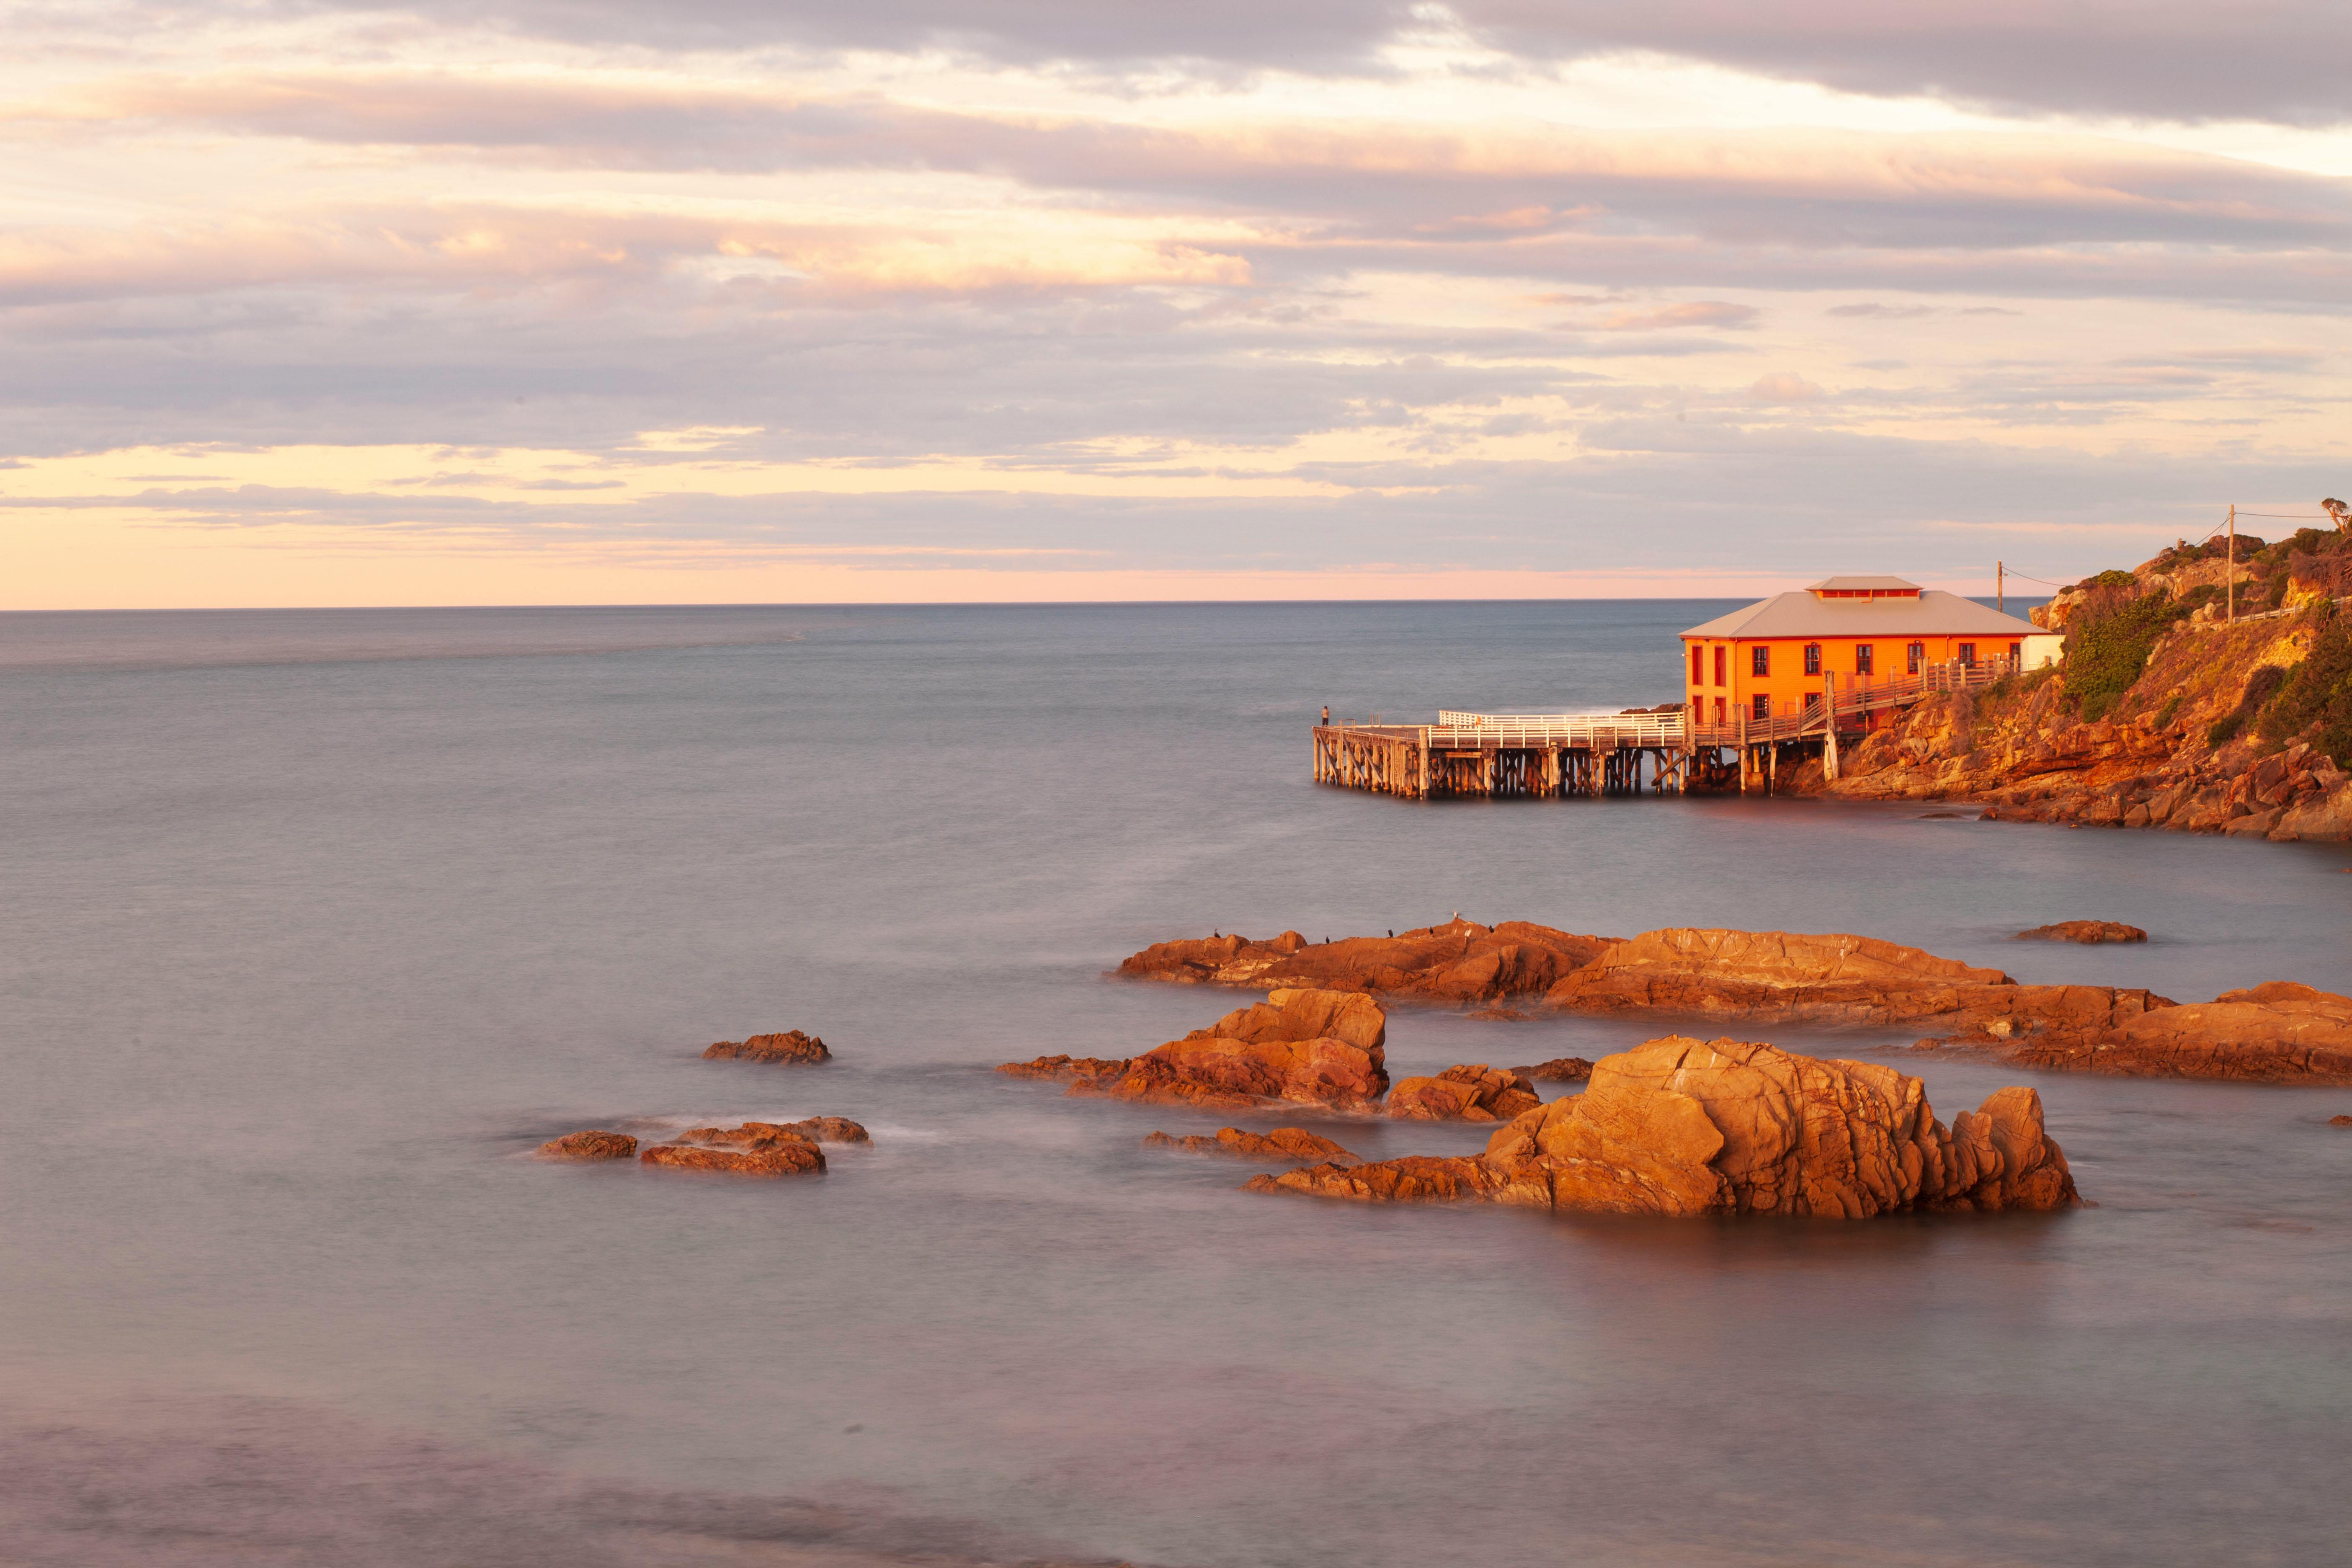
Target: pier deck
[1668,751]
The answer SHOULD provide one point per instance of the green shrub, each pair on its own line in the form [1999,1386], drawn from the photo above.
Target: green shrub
[2317,694]
[2108,580]
[2170,710]
[2105,657]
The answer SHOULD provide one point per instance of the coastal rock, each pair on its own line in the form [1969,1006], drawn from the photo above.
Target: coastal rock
[1559,1070]
[2339,1121]
[1682,1128]
[1772,974]
[829,1130]
[1282,1143]
[592,1144]
[1066,1069]
[2278,1033]
[1316,1048]
[1465,1093]
[790,1048]
[771,1157]
[1838,979]
[2086,931]
[1460,960]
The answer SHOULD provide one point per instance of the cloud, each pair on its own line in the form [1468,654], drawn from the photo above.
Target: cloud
[2279,61]
[1691,313]
[1785,386]
[736,297]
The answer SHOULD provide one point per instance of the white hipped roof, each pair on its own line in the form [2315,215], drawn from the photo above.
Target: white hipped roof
[1934,614]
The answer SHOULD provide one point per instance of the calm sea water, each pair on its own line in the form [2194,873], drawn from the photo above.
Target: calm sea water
[312,925]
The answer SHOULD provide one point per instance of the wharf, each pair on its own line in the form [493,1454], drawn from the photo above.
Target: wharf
[1673,750]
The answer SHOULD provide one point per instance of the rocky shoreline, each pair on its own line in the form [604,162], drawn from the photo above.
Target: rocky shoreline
[2166,714]
[2278,1032]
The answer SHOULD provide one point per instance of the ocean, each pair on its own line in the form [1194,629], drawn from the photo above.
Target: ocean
[314,924]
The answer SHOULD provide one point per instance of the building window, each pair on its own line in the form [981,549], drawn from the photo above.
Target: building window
[1968,654]
[1864,655]
[1916,654]
[2016,653]
[1721,718]
[1761,708]
[1760,659]
[1698,665]
[1721,654]
[1812,658]
[1812,700]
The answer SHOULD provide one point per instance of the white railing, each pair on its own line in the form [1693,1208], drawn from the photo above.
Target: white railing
[1807,721]
[1456,727]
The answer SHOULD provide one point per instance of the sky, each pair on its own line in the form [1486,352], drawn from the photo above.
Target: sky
[563,302]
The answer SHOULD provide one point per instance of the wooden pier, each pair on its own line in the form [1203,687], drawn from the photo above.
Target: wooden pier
[1671,751]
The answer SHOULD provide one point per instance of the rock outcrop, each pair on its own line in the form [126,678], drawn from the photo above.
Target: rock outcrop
[1282,1143]
[2090,932]
[1781,976]
[1463,1093]
[1460,960]
[1313,1048]
[1067,1069]
[790,1048]
[2339,1121]
[1559,1070]
[1682,1128]
[2278,1033]
[592,1144]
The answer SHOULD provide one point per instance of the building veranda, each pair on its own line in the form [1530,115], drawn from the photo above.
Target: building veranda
[1785,679]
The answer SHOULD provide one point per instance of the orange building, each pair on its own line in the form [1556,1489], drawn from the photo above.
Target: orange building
[1775,658]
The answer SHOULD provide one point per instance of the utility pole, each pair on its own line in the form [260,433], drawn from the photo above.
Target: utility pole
[2229,565]
[2000,587]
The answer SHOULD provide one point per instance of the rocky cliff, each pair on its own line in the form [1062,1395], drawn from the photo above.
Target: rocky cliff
[2162,716]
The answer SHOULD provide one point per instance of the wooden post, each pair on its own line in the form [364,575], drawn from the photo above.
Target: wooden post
[2229,564]
[1743,751]
[1828,725]
[2000,587]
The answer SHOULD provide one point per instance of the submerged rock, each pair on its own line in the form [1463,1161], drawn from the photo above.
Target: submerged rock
[1463,1093]
[592,1144]
[790,1048]
[1461,960]
[828,1130]
[1067,1069]
[2088,931]
[1282,1143]
[1412,1178]
[752,1135]
[776,1157]
[1314,1048]
[1680,1128]
[1559,1070]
